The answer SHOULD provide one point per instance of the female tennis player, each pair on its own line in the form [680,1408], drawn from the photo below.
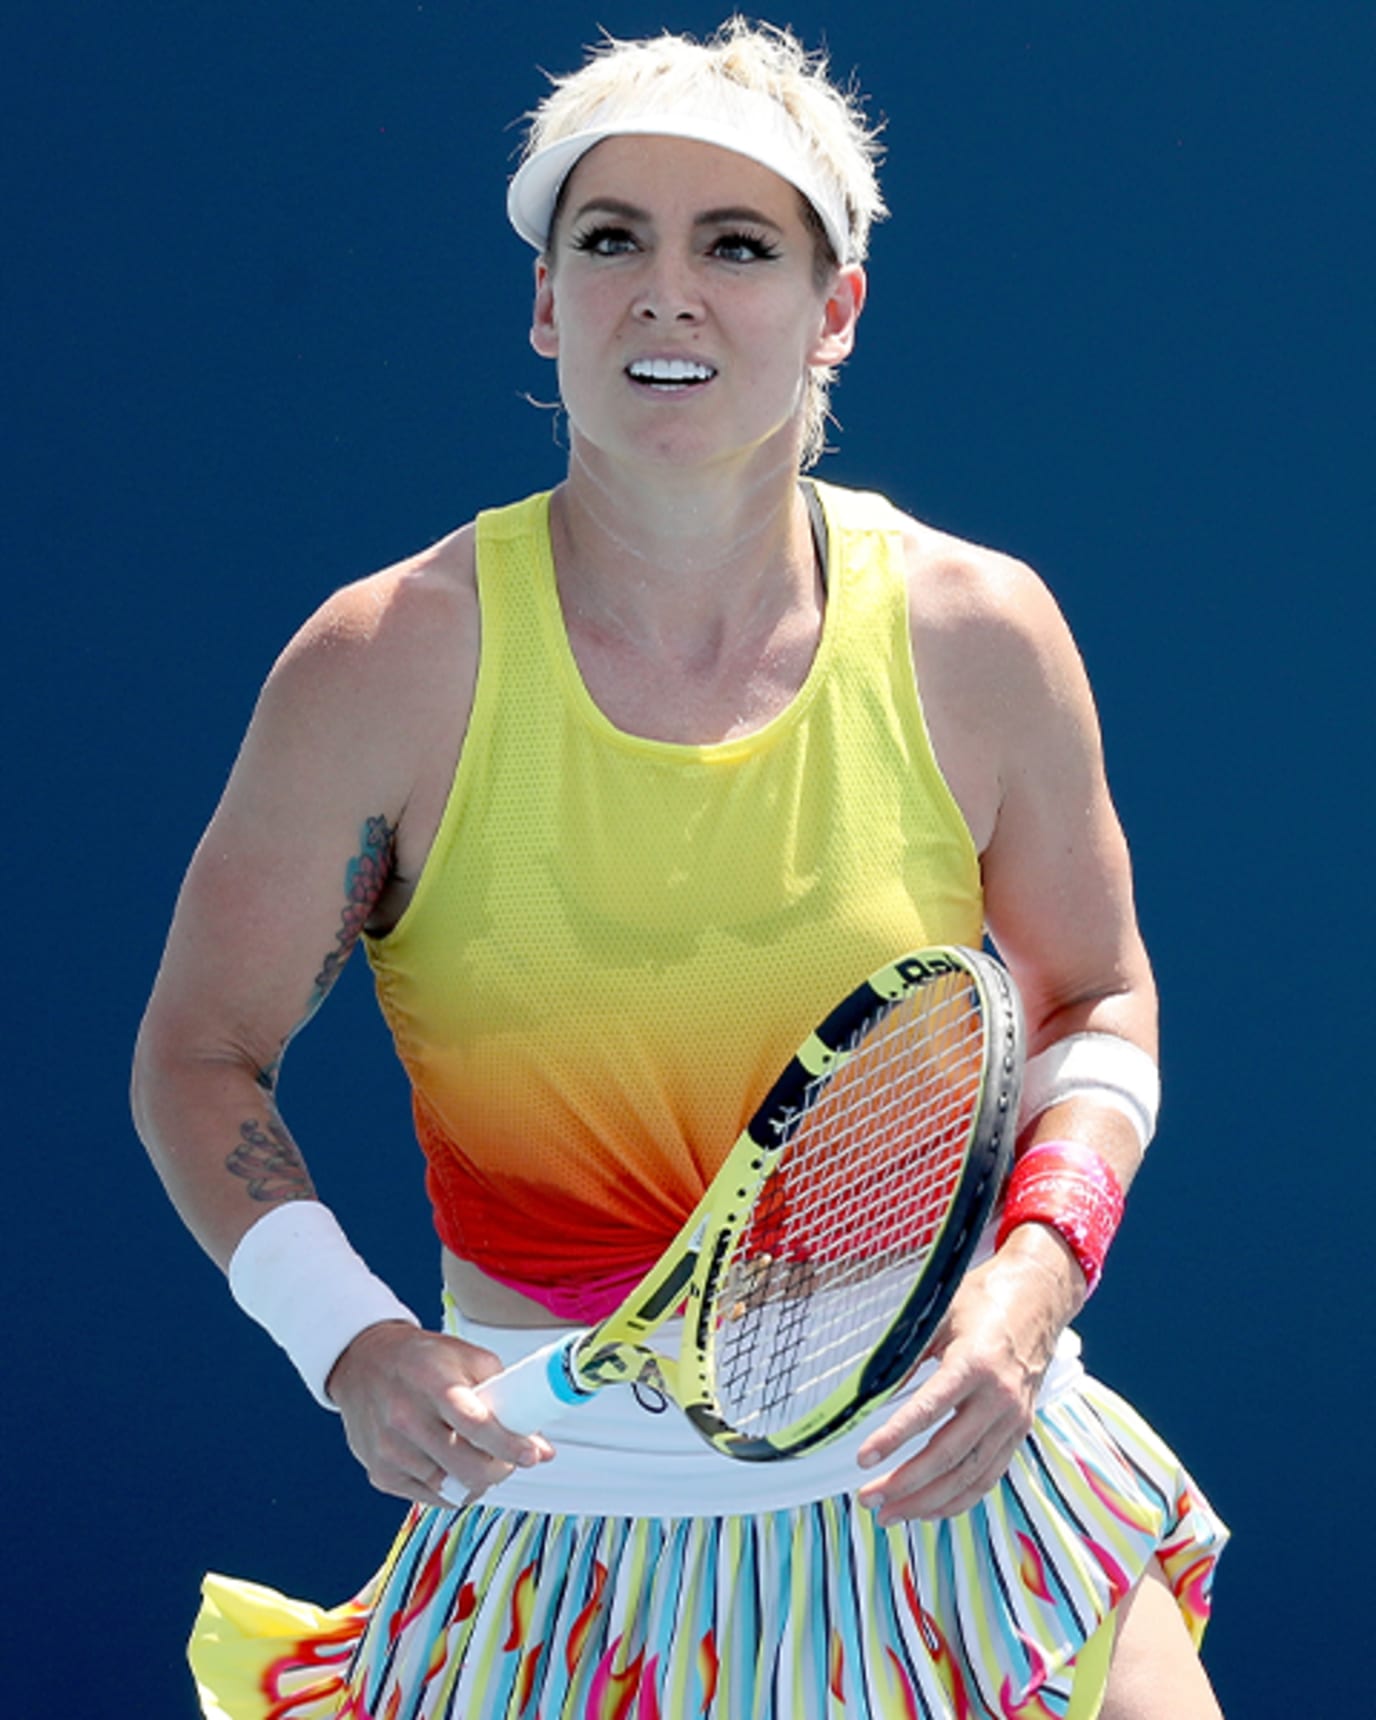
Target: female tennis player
[623,786]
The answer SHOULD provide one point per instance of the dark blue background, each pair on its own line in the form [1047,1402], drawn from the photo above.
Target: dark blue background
[264,330]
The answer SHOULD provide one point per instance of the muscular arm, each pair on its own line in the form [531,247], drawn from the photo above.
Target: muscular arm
[297,856]
[1058,882]
[1015,730]
[188,1086]
[1013,722]
[329,808]
[1058,890]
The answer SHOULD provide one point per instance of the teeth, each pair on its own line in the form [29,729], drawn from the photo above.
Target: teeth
[670,370]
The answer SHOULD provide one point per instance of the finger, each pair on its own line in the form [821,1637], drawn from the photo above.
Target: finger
[924,1412]
[454,1458]
[958,1475]
[453,1493]
[958,1490]
[441,1491]
[961,1430]
[421,1480]
[480,1364]
[412,1456]
[434,1490]
[470,1417]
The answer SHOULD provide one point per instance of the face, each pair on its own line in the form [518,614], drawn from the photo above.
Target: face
[681,301]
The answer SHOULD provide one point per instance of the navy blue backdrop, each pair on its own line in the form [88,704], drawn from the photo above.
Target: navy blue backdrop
[264,330]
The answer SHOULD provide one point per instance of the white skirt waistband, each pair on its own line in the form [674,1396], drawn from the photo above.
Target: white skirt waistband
[627,1455]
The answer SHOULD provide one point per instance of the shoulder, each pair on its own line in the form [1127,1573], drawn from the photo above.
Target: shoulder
[384,629]
[372,685]
[380,666]
[1003,689]
[969,593]
[985,624]
[979,597]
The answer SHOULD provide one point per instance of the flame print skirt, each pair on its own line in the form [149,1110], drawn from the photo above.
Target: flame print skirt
[530,1609]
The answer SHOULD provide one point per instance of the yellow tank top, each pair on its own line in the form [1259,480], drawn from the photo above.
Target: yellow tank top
[615,943]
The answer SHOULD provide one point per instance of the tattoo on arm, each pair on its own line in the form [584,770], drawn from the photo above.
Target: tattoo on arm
[365,877]
[268,1161]
[266,1156]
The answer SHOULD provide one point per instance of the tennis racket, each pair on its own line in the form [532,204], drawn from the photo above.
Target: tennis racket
[815,1269]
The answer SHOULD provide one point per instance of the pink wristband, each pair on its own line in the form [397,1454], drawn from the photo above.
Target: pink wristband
[1074,1191]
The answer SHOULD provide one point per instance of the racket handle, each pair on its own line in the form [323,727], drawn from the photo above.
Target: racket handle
[538,1390]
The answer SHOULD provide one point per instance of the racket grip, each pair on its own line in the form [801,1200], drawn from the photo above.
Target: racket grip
[538,1390]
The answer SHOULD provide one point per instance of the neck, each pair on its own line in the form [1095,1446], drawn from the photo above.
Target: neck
[658,555]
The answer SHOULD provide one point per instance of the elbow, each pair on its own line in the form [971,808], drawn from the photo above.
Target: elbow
[1122,1002]
[179,1066]
[147,1076]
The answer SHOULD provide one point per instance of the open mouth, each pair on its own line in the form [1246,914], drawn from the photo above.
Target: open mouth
[669,373]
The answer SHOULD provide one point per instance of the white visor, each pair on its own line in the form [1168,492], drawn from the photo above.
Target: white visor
[734,118]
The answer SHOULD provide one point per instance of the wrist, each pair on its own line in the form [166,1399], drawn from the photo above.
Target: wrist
[356,1354]
[1043,1254]
[295,1273]
[1070,1192]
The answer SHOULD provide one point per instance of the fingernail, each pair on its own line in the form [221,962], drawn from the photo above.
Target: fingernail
[868,1459]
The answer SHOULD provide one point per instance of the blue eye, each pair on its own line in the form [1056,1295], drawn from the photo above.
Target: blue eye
[744,247]
[604,241]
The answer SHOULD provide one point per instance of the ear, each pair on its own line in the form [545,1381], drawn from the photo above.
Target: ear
[544,325]
[841,311]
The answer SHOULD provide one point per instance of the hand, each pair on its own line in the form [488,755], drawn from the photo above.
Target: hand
[994,1347]
[412,1418]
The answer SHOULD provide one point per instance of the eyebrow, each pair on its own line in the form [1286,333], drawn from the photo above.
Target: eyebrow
[708,217]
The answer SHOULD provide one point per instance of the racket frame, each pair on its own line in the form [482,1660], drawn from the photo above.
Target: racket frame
[688,1273]
[566,1372]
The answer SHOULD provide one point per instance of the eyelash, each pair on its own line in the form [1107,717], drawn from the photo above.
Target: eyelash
[764,250]
[593,239]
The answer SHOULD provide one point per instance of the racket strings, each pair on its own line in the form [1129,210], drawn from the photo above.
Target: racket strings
[843,1226]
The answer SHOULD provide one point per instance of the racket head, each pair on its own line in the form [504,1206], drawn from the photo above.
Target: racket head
[850,1207]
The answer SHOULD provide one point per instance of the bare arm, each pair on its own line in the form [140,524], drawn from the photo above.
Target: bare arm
[296,857]
[1014,723]
[312,841]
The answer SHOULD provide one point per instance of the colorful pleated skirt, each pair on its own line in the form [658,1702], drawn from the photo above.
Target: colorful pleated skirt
[559,1596]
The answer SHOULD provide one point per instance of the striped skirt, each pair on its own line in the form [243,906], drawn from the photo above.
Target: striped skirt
[572,1604]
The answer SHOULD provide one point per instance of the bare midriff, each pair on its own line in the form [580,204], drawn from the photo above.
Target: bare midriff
[482,1299]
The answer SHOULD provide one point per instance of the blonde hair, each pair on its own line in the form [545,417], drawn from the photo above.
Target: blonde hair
[670,71]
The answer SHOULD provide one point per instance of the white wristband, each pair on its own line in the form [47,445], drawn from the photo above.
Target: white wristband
[295,1273]
[1098,1066]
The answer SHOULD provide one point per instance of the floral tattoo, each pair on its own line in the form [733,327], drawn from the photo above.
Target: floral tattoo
[267,1160]
[266,1156]
[365,877]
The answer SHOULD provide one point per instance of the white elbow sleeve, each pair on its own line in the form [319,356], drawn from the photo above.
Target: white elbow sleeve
[1097,1066]
[295,1273]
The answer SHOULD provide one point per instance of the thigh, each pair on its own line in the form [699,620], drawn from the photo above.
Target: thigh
[1155,1672]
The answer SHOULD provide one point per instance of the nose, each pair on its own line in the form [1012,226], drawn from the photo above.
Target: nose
[668,293]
